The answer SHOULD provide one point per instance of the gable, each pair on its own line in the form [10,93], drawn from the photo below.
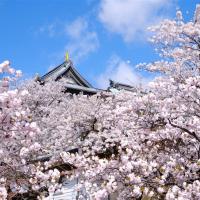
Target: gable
[70,76]
[69,73]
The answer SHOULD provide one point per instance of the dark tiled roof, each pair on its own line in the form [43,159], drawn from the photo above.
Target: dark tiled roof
[60,70]
[121,86]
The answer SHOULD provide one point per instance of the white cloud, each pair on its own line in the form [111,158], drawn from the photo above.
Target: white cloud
[120,71]
[50,29]
[82,41]
[131,17]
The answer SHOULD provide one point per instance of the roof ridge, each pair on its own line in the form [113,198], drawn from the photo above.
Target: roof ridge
[55,69]
[120,83]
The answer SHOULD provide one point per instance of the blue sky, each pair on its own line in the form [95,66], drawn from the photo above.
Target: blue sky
[105,38]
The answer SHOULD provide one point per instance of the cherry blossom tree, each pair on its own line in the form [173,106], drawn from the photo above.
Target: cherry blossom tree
[147,144]
[17,136]
[64,119]
[21,173]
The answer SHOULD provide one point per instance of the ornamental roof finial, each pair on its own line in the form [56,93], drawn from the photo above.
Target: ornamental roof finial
[67,56]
